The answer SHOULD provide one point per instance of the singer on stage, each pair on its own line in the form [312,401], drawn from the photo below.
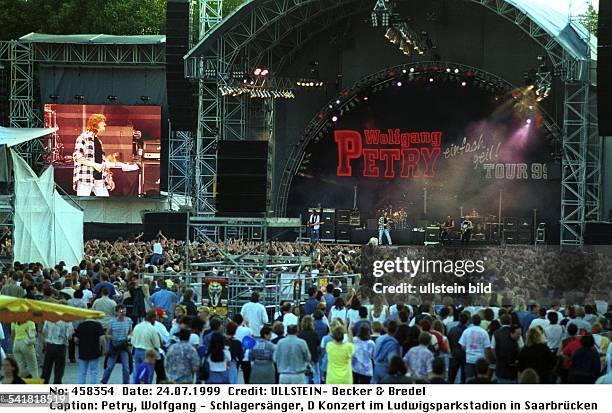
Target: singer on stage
[90,172]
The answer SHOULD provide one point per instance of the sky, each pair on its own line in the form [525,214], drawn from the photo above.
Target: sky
[576,6]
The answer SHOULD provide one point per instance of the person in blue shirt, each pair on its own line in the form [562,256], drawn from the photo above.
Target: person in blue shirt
[97,290]
[164,299]
[144,374]
[311,304]
[329,298]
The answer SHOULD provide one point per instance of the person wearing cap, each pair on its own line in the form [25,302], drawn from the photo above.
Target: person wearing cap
[117,333]
[145,337]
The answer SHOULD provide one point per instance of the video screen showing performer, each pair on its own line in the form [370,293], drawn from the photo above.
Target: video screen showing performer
[105,150]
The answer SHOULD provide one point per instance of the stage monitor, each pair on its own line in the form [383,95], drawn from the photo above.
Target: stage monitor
[105,150]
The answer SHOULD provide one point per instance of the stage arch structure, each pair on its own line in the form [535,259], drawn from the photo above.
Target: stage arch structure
[403,76]
[270,32]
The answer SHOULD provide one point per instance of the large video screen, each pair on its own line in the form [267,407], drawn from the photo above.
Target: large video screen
[105,150]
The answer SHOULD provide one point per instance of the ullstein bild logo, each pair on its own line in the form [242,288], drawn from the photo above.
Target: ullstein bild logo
[407,154]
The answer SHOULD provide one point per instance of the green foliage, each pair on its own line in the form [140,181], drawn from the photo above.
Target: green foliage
[589,20]
[120,17]
[230,5]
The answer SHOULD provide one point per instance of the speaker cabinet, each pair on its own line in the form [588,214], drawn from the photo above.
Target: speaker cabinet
[172,224]
[182,105]
[151,178]
[242,178]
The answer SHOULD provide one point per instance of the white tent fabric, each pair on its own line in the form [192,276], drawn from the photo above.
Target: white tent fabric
[15,136]
[47,228]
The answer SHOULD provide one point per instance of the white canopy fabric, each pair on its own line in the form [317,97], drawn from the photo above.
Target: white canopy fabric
[47,228]
[15,136]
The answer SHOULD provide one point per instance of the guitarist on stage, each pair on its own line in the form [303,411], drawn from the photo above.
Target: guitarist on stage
[314,225]
[447,229]
[384,227]
[466,230]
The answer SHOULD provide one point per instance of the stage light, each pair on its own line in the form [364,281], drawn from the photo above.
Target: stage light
[338,102]
[404,71]
[145,98]
[79,97]
[265,72]
[456,71]
[464,83]
[431,79]
[334,118]
[530,107]
[257,72]
[448,70]
[399,84]
[528,122]
[412,70]
[365,98]
[54,97]
[331,106]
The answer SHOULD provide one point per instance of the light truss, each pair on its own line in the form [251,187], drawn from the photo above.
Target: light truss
[99,54]
[180,169]
[210,106]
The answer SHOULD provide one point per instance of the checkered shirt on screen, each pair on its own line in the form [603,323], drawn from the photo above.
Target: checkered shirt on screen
[85,148]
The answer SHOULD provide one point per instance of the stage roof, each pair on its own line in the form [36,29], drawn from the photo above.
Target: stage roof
[92,39]
[15,136]
[550,15]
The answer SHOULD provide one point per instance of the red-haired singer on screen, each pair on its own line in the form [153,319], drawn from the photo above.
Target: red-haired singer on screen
[90,170]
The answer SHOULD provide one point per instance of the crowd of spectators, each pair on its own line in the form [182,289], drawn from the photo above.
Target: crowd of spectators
[547,321]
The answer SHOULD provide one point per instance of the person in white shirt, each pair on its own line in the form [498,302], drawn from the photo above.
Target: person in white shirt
[158,249]
[255,314]
[553,331]
[288,318]
[474,341]
[338,311]
[314,223]
[541,321]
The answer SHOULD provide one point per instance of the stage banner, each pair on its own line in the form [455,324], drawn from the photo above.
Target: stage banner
[301,398]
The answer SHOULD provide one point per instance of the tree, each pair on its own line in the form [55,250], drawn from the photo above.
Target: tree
[589,19]
[119,17]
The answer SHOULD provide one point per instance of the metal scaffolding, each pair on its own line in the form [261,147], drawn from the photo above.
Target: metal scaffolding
[180,169]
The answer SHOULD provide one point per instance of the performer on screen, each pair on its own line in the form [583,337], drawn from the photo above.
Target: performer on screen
[447,229]
[314,225]
[90,171]
[384,227]
[466,230]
